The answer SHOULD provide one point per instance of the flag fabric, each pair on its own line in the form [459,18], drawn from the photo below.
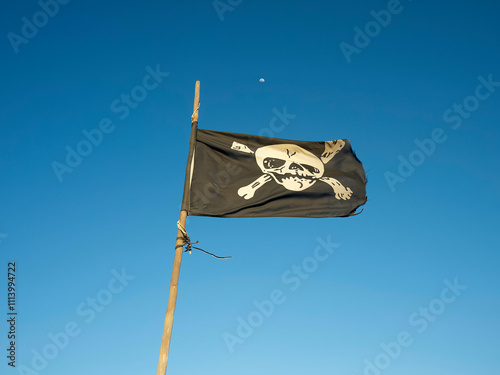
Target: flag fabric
[239,175]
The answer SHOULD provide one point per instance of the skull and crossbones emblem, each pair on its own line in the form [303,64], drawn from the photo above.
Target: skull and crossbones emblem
[293,167]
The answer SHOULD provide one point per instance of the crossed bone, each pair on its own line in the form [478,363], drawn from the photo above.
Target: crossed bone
[332,148]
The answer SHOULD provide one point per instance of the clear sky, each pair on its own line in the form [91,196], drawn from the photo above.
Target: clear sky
[410,286]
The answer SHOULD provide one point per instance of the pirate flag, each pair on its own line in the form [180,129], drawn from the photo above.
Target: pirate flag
[239,175]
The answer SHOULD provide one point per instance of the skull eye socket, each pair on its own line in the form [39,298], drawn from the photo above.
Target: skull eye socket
[310,168]
[272,163]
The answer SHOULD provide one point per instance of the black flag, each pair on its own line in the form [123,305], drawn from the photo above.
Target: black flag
[239,175]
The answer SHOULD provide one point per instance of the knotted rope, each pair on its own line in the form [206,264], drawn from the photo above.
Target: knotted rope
[186,241]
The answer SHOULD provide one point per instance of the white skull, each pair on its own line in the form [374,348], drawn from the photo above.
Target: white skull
[290,165]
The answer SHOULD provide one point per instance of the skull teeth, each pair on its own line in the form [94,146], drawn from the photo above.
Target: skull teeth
[294,182]
[293,177]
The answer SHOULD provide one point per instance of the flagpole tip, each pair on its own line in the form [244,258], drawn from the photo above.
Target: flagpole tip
[194,117]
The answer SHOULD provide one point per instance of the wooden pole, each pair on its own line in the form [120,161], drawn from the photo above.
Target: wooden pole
[172,297]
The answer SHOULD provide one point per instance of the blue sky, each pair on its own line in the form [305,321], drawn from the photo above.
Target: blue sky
[410,286]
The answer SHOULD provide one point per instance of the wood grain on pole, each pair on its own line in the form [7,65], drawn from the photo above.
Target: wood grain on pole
[174,281]
[172,298]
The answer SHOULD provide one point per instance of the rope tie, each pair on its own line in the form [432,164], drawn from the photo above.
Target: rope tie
[186,241]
